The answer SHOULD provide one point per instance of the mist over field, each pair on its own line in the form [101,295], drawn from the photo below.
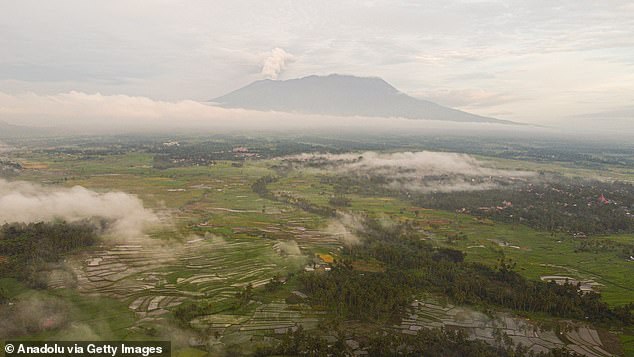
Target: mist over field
[423,171]
[26,202]
[4,147]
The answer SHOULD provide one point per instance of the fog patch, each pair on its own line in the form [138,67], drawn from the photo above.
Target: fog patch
[422,172]
[445,185]
[21,201]
[54,276]
[81,332]
[288,248]
[96,113]
[345,227]
[32,315]
[4,147]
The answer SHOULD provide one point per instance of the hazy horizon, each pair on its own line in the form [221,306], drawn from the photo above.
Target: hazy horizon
[562,64]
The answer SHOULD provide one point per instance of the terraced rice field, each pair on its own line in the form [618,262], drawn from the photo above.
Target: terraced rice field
[580,338]
[154,277]
[278,317]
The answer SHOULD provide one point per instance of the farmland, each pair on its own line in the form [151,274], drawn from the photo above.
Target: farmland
[225,264]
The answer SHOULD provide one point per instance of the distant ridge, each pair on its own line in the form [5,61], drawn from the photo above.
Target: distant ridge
[341,95]
[9,131]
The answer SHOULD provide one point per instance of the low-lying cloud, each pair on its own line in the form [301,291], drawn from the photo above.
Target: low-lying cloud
[345,227]
[100,113]
[32,315]
[95,113]
[4,147]
[423,171]
[289,247]
[22,201]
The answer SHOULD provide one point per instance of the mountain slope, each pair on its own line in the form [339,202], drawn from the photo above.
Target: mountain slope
[9,131]
[341,95]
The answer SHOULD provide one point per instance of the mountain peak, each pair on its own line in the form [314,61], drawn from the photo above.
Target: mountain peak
[342,81]
[340,94]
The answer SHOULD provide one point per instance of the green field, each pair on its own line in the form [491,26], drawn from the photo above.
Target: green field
[236,236]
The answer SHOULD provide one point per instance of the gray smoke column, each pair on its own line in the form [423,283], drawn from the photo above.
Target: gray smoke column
[22,201]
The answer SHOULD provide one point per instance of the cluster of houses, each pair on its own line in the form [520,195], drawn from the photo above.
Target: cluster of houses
[244,152]
[503,206]
[320,262]
[8,166]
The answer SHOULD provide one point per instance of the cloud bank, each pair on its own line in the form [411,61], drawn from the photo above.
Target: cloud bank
[106,113]
[22,201]
[423,171]
[84,113]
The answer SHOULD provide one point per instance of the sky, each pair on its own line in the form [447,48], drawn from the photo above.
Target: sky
[542,62]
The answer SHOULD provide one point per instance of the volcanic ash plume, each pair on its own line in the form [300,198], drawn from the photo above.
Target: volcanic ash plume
[276,62]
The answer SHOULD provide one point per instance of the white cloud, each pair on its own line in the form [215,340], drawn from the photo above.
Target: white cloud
[423,171]
[85,113]
[22,201]
[122,112]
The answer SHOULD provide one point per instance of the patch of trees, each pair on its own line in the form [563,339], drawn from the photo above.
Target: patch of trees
[427,342]
[359,296]
[339,201]
[597,245]
[274,284]
[414,266]
[583,153]
[244,296]
[559,204]
[229,148]
[550,203]
[24,248]
[8,167]
[306,205]
[191,309]
[443,343]
[260,186]
[164,161]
